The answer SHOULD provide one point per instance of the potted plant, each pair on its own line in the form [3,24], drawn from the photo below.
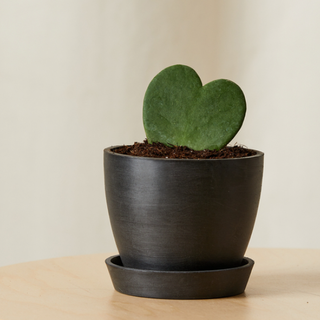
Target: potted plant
[182,225]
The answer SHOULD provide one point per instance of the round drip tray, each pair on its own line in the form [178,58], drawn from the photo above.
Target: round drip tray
[204,284]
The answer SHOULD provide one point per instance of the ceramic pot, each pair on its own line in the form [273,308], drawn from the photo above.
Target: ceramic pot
[182,214]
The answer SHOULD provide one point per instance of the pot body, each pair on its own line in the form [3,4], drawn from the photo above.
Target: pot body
[182,214]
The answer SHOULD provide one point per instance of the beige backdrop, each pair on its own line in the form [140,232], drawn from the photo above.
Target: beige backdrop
[72,79]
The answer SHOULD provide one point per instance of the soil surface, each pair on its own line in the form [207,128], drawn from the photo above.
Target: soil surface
[159,150]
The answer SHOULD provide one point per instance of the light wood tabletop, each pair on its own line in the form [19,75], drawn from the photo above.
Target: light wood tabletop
[284,284]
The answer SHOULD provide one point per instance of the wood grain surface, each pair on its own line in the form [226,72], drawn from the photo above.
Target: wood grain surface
[285,284]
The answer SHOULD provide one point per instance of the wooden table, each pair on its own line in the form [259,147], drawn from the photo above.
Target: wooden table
[284,284]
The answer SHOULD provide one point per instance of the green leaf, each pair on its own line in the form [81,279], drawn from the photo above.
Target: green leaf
[178,110]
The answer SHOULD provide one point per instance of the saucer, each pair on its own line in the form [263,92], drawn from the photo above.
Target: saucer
[203,284]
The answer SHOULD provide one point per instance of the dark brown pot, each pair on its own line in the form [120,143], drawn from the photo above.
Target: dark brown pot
[182,214]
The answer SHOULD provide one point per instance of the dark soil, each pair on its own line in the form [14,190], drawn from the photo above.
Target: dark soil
[159,150]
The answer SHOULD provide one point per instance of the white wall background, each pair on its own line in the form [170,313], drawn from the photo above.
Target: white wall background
[72,79]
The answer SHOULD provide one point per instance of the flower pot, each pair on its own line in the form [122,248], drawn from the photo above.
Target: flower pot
[182,215]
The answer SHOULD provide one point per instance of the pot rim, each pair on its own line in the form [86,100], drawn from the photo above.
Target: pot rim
[109,150]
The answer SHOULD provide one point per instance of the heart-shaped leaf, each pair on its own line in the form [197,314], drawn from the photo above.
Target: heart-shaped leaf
[178,110]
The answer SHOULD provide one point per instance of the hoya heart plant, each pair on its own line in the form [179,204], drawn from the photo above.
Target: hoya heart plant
[193,214]
[179,111]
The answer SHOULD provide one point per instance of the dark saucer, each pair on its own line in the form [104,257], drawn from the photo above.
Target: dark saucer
[204,284]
